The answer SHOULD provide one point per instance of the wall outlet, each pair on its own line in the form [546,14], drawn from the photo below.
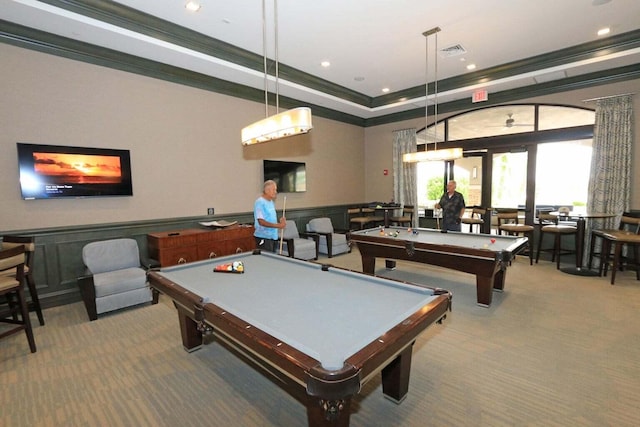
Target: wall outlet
[210,211]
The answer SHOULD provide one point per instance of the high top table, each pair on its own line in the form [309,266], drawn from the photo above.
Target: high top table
[581,221]
[386,208]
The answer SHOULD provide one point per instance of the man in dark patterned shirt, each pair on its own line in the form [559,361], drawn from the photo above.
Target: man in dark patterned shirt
[452,205]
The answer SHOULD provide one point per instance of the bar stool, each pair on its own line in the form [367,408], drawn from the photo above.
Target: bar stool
[10,286]
[508,222]
[357,217]
[627,222]
[475,219]
[406,218]
[557,230]
[29,252]
[371,213]
[618,238]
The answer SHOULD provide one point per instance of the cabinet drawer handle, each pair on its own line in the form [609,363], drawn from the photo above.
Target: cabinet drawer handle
[182,261]
[212,254]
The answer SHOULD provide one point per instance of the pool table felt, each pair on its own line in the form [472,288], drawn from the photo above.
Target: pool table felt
[328,315]
[491,242]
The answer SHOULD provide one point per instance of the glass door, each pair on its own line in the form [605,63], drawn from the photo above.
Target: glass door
[509,180]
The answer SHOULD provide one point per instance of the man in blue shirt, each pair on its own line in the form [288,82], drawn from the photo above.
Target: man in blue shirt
[452,205]
[266,221]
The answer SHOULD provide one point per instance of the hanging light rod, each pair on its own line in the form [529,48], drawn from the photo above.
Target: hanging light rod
[435,154]
[296,121]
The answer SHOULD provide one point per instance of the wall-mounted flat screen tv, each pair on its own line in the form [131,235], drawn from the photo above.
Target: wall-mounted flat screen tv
[291,177]
[54,171]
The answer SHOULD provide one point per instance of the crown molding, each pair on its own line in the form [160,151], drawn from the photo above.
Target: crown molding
[134,20]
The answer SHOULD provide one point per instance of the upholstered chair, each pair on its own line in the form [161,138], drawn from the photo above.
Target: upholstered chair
[302,246]
[331,243]
[114,277]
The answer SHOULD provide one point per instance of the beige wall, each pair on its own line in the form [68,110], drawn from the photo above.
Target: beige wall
[379,139]
[185,144]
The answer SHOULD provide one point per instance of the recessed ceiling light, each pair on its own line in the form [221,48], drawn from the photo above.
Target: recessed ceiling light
[385,89]
[325,64]
[604,31]
[471,67]
[192,6]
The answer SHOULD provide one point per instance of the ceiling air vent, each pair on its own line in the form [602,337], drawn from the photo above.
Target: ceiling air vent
[454,50]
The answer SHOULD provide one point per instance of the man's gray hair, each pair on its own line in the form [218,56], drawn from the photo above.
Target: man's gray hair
[268,183]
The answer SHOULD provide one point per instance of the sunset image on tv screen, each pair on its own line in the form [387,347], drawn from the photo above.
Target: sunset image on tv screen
[78,168]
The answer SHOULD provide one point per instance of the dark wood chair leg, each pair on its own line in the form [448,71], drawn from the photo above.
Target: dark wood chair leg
[556,250]
[34,298]
[617,250]
[25,318]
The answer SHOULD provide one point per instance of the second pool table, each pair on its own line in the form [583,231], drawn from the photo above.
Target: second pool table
[486,256]
[322,331]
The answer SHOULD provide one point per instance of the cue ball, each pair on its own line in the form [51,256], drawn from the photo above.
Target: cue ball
[486,246]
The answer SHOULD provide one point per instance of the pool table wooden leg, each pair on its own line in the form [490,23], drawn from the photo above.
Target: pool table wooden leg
[484,290]
[191,336]
[328,412]
[486,285]
[368,264]
[395,376]
[498,280]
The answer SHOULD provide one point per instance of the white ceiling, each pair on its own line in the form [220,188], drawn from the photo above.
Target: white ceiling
[371,44]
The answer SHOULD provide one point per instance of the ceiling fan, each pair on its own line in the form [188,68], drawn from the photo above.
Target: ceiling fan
[511,122]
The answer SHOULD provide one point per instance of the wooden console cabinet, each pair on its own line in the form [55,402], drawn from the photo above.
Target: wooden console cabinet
[194,244]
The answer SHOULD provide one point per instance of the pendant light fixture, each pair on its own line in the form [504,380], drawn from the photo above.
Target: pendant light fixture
[435,154]
[288,123]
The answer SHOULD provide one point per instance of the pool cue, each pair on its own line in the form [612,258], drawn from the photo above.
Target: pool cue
[284,209]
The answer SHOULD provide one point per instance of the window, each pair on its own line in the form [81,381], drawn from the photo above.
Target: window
[562,173]
[509,132]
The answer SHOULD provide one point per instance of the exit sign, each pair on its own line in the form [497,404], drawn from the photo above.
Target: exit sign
[480,95]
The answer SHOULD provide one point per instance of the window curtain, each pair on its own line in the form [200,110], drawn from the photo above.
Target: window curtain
[610,178]
[405,189]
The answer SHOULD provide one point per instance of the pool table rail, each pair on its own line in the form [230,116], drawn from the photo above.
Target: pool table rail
[488,265]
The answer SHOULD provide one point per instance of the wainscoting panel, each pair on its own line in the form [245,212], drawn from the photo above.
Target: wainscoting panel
[58,256]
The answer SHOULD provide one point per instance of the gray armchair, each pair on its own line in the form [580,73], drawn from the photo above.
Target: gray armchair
[331,243]
[114,277]
[302,246]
